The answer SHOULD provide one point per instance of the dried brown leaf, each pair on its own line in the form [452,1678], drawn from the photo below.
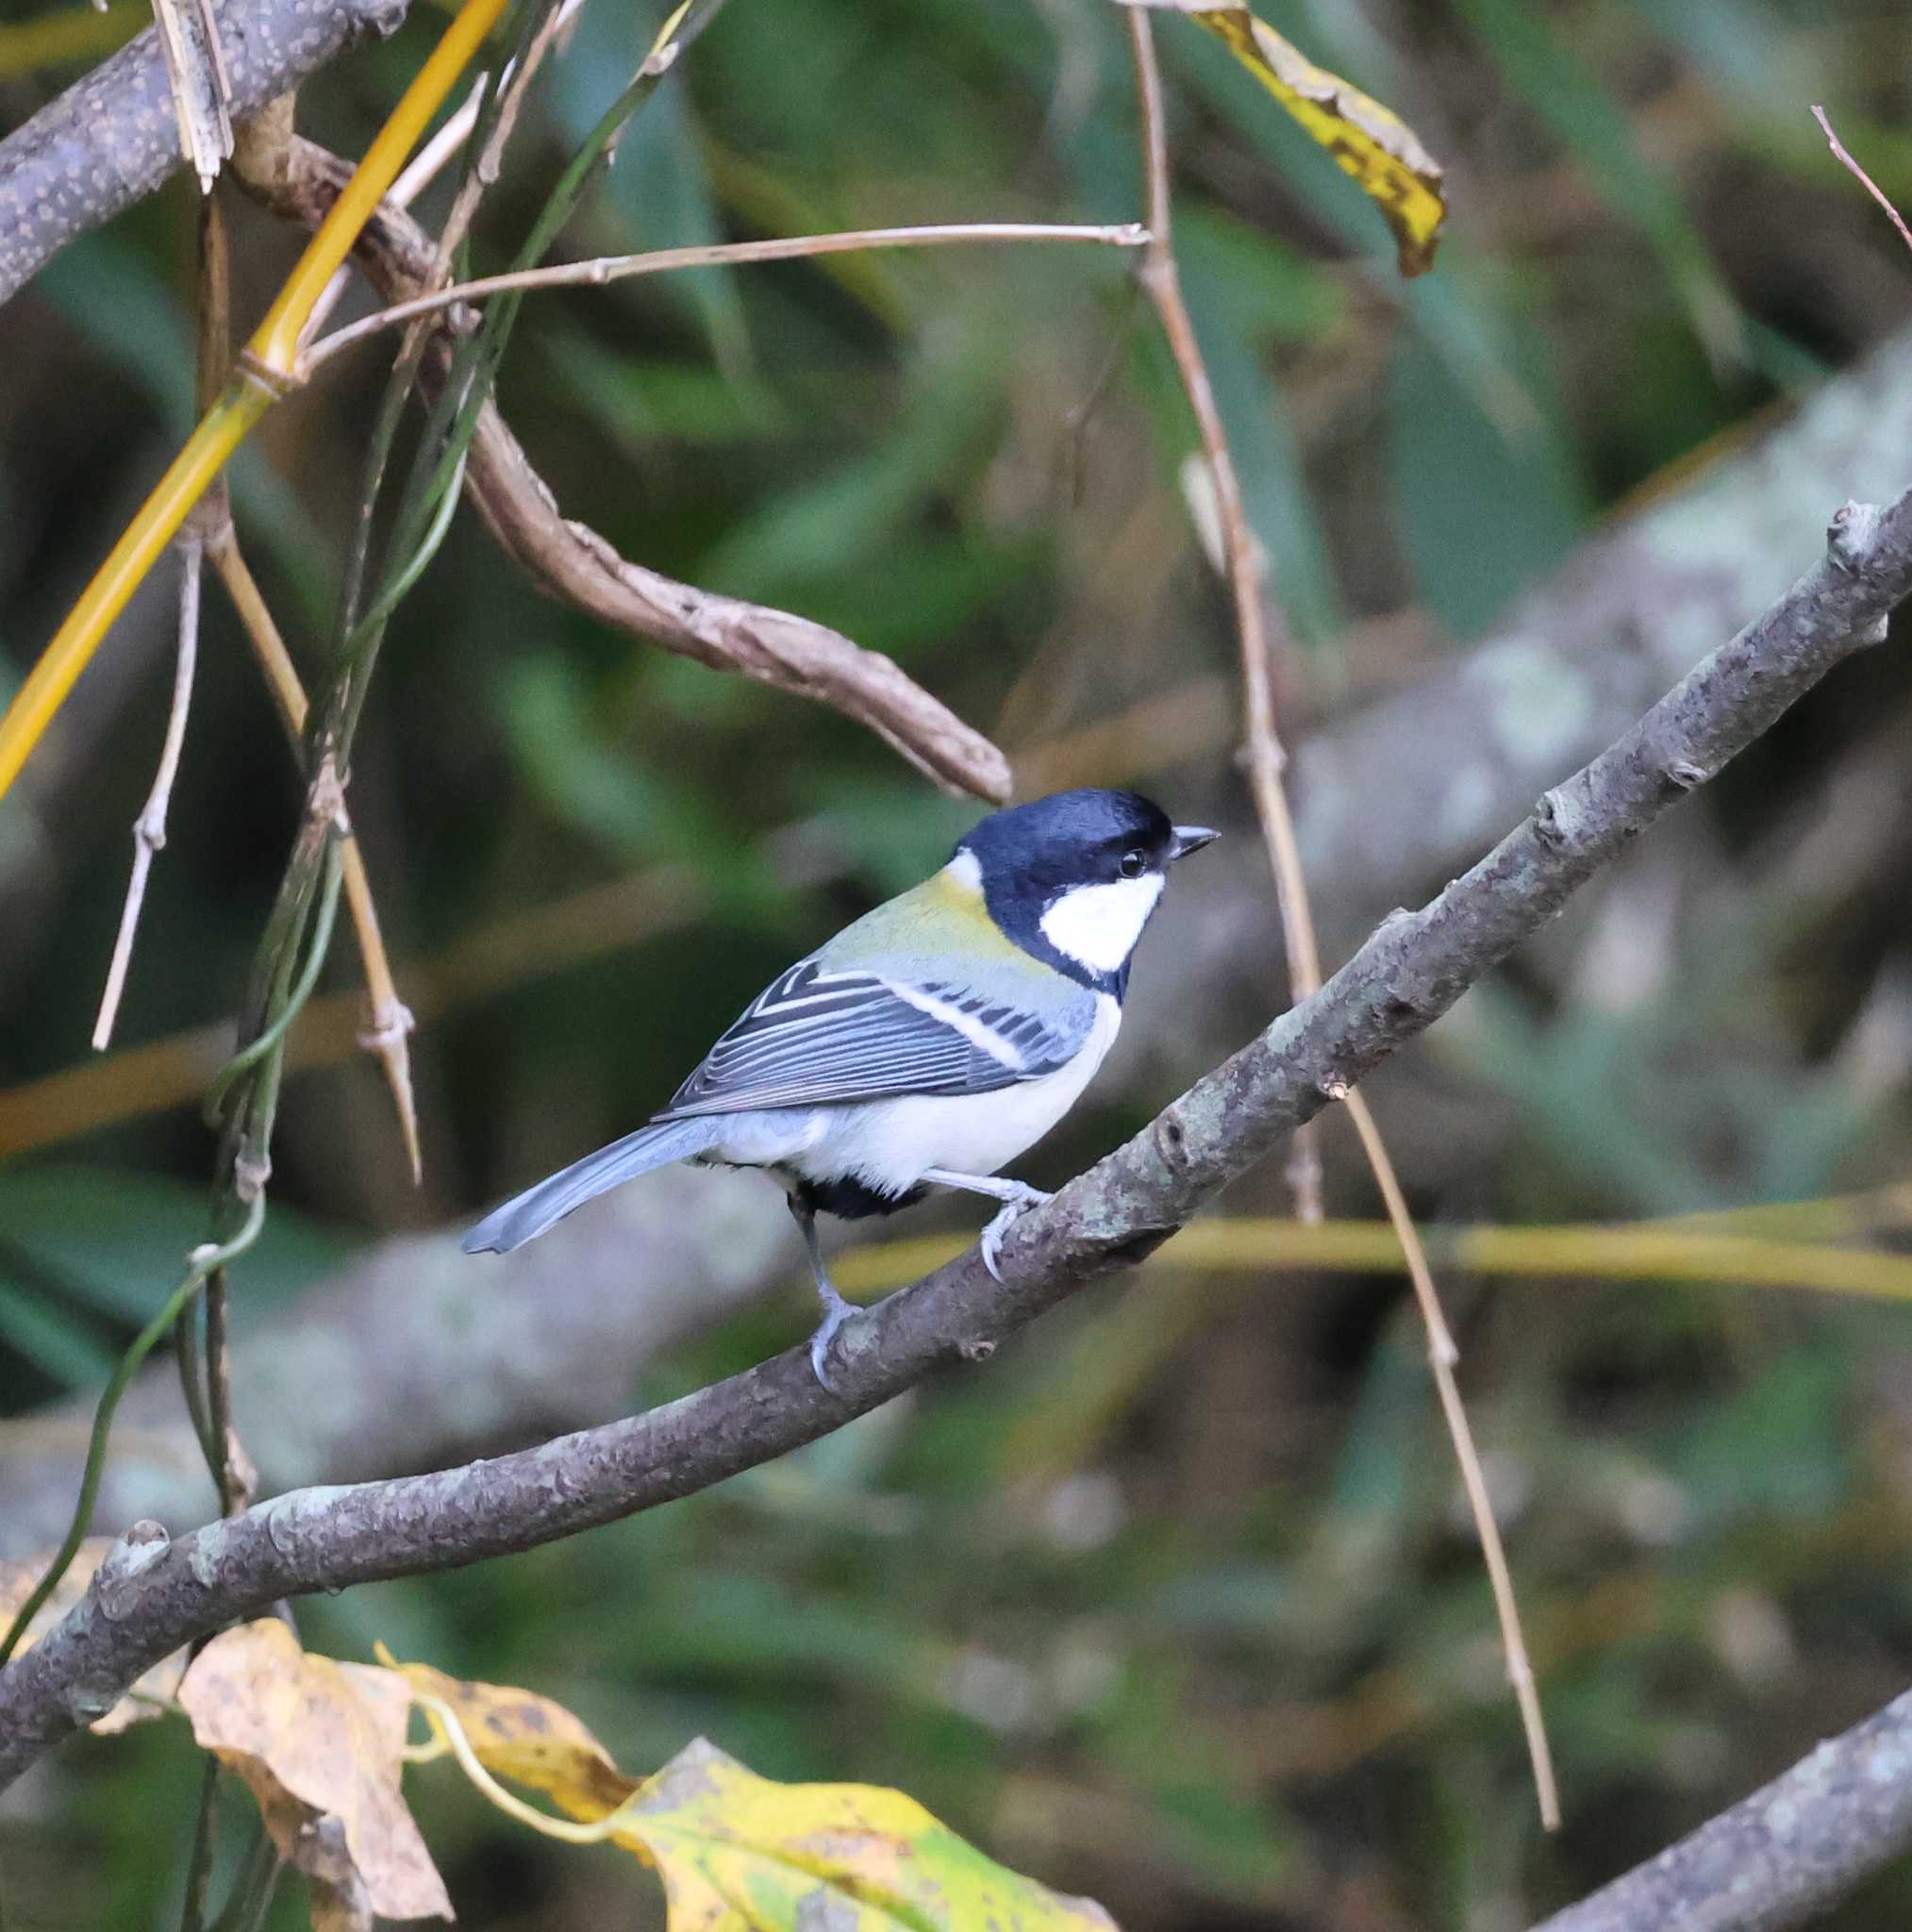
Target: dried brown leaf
[321,1745]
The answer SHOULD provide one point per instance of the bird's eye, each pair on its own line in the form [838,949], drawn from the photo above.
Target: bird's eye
[1133,863]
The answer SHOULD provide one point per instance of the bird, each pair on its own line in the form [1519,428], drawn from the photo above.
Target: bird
[929,1044]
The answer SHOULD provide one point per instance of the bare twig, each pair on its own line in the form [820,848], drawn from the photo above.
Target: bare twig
[1860,174]
[1266,763]
[391,1020]
[1263,755]
[617,268]
[214,311]
[149,828]
[571,562]
[1411,969]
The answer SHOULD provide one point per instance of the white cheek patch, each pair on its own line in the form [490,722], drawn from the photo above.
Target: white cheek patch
[1099,925]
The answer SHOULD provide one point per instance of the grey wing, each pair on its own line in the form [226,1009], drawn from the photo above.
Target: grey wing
[814,1037]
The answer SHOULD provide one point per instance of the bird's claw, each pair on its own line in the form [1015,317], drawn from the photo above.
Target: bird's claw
[836,1312]
[1003,1220]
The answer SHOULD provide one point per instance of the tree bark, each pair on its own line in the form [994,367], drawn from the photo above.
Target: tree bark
[111,138]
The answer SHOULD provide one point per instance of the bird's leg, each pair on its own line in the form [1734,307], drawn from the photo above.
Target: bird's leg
[1017,1197]
[836,1310]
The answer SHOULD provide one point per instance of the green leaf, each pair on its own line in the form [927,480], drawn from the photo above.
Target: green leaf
[738,1853]
[113,1241]
[55,1345]
[1481,514]
[1556,86]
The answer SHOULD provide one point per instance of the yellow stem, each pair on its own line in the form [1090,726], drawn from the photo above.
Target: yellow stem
[273,349]
[275,342]
[185,482]
[1623,1251]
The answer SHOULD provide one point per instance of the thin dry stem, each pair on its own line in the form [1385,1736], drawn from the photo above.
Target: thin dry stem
[237,1474]
[615,268]
[202,88]
[419,174]
[1444,1356]
[149,828]
[392,1019]
[1266,762]
[211,515]
[1858,174]
[1264,758]
[513,83]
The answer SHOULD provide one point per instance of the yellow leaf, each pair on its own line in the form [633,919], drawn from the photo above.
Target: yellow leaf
[1375,147]
[531,1741]
[150,1695]
[320,1745]
[738,1853]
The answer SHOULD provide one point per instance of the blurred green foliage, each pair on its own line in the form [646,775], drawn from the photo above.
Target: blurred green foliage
[1217,1650]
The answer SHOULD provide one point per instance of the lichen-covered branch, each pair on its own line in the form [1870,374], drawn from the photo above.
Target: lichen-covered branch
[1464,745]
[155,1594]
[113,136]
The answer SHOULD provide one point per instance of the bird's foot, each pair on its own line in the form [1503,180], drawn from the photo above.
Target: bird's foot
[836,1312]
[1005,1218]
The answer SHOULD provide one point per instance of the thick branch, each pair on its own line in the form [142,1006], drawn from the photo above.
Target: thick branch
[114,137]
[569,561]
[156,1595]
[1782,1855]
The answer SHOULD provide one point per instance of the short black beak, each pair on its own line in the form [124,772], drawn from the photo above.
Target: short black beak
[1189,839]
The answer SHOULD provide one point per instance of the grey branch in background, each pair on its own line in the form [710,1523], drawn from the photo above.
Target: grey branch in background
[412,1355]
[1399,794]
[152,1595]
[114,137]
[1781,1856]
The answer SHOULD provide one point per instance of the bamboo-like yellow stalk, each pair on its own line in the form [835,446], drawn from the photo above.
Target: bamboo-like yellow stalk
[186,479]
[275,342]
[1627,1251]
[273,354]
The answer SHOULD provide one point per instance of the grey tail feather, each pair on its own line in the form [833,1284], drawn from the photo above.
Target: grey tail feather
[527,1215]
